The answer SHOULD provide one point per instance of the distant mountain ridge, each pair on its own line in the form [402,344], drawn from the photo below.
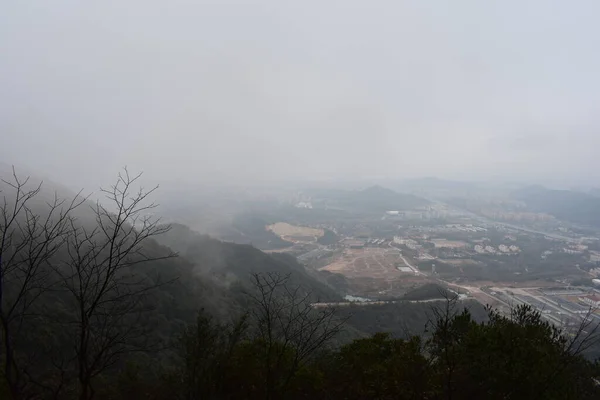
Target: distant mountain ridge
[371,199]
[571,206]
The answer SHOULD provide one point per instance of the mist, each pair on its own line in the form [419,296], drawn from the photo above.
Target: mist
[268,91]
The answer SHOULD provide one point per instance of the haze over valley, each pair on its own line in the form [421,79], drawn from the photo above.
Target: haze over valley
[267,200]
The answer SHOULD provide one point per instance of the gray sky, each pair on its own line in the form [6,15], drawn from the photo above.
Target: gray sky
[265,90]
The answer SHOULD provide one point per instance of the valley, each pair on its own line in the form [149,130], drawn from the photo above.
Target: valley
[388,247]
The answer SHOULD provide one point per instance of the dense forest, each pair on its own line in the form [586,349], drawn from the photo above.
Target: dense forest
[100,300]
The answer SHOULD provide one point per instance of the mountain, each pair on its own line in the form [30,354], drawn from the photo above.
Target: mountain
[374,199]
[231,265]
[571,206]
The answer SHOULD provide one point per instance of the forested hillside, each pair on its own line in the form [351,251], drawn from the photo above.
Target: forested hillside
[229,263]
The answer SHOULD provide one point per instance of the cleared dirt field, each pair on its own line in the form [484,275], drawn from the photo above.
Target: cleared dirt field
[294,233]
[374,271]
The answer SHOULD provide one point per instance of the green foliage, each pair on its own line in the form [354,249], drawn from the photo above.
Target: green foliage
[428,291]
[402,319]
[521,356]
[230,265]
[254,227]
[518,357]
[328,238]
[379,368]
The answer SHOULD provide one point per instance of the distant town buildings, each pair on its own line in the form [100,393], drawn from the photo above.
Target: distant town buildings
[591,300]
[490,249]
[410,243]
[594,256]
[354,243]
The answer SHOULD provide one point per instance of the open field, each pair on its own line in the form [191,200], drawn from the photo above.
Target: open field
[375,271]
[294,233]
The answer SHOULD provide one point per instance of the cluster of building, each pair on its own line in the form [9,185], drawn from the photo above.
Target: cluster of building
[353,243]
[516,216]
[452,228]
[455,248]
[532,301]
[502,249]
[575,249]
[592,300]
[428,213]
[574,301]
[408,242]
[564,306]
[595,257]
[567,305]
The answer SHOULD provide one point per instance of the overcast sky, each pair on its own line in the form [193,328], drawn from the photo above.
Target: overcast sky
[268,90]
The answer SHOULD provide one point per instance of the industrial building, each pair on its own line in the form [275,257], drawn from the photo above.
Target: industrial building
[574,308]
[591,300]
[562,292]
[540,306]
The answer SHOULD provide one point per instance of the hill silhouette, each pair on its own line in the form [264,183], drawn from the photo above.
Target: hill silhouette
[373,199]
[571,206]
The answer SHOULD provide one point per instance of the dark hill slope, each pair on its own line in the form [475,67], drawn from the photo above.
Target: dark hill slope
[232,264]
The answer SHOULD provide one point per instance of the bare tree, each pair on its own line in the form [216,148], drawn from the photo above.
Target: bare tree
[32,231]
[290,329]
[102,279]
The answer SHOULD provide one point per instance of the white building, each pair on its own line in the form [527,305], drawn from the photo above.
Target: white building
[592,300]
[490,249]
[504,248]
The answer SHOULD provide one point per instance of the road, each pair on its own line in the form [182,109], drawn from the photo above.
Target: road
[409,265]
[415,269]
[371,303]
[520,228]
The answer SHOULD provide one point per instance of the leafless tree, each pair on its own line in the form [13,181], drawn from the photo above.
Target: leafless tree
[289,328]
[32,231]
[101,278]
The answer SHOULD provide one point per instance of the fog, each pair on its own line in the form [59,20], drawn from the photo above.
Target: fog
[268,91]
